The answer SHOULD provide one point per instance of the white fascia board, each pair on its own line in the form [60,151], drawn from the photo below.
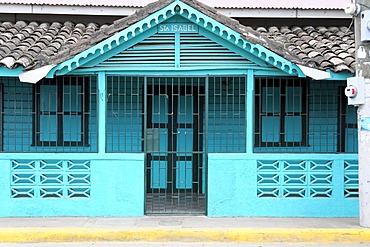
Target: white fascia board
[82,10]
[284,13]
[322,13]
[33,76]
[16,8]
[272,13]
[314,73]
[66,10]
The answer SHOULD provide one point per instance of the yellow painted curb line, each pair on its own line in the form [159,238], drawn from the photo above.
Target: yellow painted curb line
[238,235]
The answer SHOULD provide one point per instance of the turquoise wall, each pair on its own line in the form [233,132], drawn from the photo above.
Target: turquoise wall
[116,187]
[105,182]
[233,185]
[238,184]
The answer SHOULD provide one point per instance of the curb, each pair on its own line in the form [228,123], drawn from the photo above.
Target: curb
[237,235]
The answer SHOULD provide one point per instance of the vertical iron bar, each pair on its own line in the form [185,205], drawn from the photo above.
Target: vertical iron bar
[124,102]
[306,98]
[121,84]
[222,100]
[282,111]
[60,103]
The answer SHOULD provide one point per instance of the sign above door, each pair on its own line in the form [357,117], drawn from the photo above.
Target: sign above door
[178,28]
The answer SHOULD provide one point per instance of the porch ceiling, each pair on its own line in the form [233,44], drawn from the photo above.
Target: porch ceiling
[34,45]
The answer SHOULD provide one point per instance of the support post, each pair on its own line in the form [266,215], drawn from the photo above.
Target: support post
[250,112]
[363,112]
[102,112]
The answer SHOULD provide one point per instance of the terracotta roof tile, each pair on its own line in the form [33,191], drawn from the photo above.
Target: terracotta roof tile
[350,61]
[32,44]
[330,47]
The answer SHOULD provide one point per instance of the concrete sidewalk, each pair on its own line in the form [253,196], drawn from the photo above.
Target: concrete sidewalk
[184,229]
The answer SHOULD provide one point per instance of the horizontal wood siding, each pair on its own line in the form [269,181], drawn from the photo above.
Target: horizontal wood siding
[197,50]
[157,50]
[162,50]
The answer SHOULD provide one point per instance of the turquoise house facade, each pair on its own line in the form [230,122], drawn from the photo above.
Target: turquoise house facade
[175,110]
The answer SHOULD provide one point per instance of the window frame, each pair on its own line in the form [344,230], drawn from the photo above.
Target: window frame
[282,83]
[60,83]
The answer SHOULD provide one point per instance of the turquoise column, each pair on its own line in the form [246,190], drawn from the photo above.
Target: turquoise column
[101,112]
[250,112]
[338,179]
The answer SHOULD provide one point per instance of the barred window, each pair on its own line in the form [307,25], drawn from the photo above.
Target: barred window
[125,111]
[302,115]
[226,114]
[55,115]
[281,112]
[62,109]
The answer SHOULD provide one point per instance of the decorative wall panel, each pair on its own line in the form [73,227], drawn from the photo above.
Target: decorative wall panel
[50,179]
[351,179]
[295,179]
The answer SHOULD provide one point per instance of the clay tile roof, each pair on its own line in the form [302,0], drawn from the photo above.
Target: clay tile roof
[32,45]
[328,47]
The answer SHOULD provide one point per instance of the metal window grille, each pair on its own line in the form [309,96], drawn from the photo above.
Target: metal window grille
[299,115]
[56,115]
[226,114]
[62,112]
[281,107]
[124,113]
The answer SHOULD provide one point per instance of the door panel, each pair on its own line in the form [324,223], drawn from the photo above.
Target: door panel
[184,141]
[158,176]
